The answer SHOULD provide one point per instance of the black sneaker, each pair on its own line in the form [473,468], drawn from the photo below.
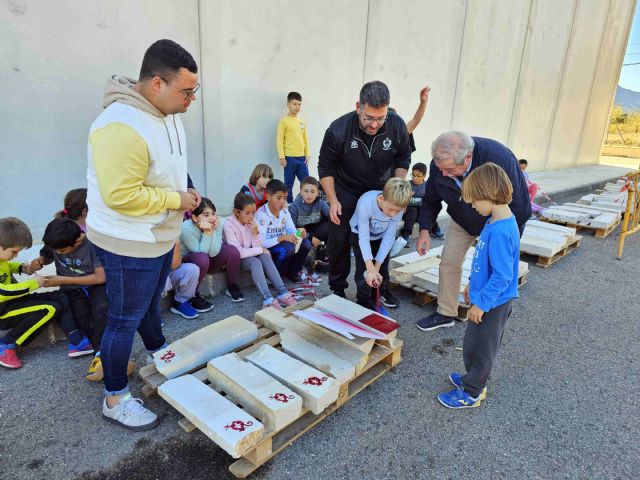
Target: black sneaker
[340,293]
[321,253]
[388,300]
[297,278]
[234,292]
[437,234]
[435,320]
[321,266]
[200,304]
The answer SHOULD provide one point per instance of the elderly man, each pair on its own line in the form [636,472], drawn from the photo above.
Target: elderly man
[455,154]
[360,152]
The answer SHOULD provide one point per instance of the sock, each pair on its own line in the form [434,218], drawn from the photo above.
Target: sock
[76,336]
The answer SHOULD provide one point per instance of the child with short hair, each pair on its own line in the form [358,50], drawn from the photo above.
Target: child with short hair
[292,143]
[183,279]
[81,277]
[257,186]
[309,212]
[241,232]
[24,314]
[493,284]
[279,233]
[532,187]
[201,243]
[373,230]
[75,207]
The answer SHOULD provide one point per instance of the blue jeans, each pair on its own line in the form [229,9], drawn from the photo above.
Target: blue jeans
[296,167]
[287,261]
[134,289]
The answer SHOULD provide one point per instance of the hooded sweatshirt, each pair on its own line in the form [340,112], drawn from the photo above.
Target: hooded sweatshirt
[137,165]
[304,214]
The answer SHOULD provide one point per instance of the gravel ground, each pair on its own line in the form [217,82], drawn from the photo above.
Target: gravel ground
[561,403]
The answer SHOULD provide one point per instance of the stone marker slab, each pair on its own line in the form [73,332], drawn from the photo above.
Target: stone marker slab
[318,357]
[199,347]
[230,427]
[317,390]
[258,392]
[399,261]
[405,273]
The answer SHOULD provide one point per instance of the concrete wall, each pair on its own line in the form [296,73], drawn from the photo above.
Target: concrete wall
[538,75]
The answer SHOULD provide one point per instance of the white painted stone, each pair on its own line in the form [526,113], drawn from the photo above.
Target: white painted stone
[318,357]
[557,213]
[279,322]
[571,231]
[405,273]
[587,210]
[317,390]
[397,262]
[604,220]
[230,427]
[539,246]
[258,392]
[202,345]
[595,206]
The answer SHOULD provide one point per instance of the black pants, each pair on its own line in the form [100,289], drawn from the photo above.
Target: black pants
[318,230]
[366,296]
[26,317]
[90,309]
[480,347]
[338,244]
[410,217]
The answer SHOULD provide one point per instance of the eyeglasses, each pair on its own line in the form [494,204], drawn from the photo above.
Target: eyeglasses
[370,120]
[187,92]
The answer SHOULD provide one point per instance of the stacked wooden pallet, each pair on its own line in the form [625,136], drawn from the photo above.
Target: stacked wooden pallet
[421,274]
[548,242]
[256,401]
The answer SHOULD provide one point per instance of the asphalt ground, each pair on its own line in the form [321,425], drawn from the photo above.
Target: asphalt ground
[562,402]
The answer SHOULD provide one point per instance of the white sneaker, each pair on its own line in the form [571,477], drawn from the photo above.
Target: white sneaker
[130,414]
[397,246]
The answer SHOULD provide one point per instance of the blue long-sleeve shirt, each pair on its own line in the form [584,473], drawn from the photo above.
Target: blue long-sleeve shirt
[494,271]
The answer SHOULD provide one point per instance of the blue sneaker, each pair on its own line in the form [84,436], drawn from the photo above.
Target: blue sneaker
[82,348]
[183,309]
[458,398]
[456,379]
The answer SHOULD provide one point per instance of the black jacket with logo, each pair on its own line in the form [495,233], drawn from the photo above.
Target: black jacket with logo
[359,162]
[444,189]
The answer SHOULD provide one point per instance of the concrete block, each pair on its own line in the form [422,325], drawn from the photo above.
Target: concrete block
[595,206]
[230,427]
[279,322]
[258,392]
[557,213]
[317,390]
[404,274]
[397,262]
[539,246]
[569,231]
[202,345]
[318,357]
[604,220]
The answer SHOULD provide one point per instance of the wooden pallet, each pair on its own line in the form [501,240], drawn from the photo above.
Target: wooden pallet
[601,232]
[381,359]
[546,262]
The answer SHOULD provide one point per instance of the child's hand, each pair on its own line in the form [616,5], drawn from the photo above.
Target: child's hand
[303,232]
[475,314]
[188,201]
[291,238]
[283,162]
[40,280]
[215,222]
[373,278]
[205,226]
[254,227]
[465,294]
[266,251]
[36,264]
[27,269]
[316,242]
[424,95]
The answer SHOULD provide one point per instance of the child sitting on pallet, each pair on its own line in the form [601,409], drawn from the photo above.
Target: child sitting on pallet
[373,228]
[493,284]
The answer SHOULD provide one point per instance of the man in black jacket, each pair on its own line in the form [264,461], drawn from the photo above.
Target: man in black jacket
[360,152]
[455,154]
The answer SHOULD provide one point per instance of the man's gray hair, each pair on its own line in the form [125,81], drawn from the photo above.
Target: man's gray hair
[452,144]
[375,94]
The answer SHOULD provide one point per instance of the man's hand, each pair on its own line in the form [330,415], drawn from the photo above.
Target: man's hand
[188,201]
[465,294]
[283,162]
[316,242]
[424,94]
[196,194]
[335,210]
[423,244]
[475,314]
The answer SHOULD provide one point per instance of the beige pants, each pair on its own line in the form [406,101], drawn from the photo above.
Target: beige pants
[455,248]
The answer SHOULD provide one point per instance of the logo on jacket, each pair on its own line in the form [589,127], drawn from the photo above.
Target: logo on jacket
[386,144]
[354,144]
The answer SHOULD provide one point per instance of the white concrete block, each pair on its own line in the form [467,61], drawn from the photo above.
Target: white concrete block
[404,274]
[596,206]
[230,427]
[279,322]
[604,220]
[317,390]
[399,261]
[570,231]
[258,392]
[202,345]
[318,357]
[557,213]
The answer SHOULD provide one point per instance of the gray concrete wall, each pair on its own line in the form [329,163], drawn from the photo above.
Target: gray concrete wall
[538,75]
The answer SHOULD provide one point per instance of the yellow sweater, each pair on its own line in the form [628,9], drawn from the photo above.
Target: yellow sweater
[291,139]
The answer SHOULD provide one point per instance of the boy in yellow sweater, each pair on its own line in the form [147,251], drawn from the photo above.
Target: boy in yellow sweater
[292,143]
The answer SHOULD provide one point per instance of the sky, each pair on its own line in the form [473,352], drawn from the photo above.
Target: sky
[630,75]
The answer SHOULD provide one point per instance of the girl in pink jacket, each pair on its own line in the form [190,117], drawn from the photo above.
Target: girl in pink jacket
[241,231]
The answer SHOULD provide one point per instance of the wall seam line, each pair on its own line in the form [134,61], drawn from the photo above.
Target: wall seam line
[202,115]
[455,87]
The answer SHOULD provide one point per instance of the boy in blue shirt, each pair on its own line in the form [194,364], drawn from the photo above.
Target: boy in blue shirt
[493,284]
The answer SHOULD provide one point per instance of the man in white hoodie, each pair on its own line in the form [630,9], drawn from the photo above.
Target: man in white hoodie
[137,193]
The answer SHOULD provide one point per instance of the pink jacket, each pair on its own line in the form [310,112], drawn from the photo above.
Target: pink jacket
[241,237]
